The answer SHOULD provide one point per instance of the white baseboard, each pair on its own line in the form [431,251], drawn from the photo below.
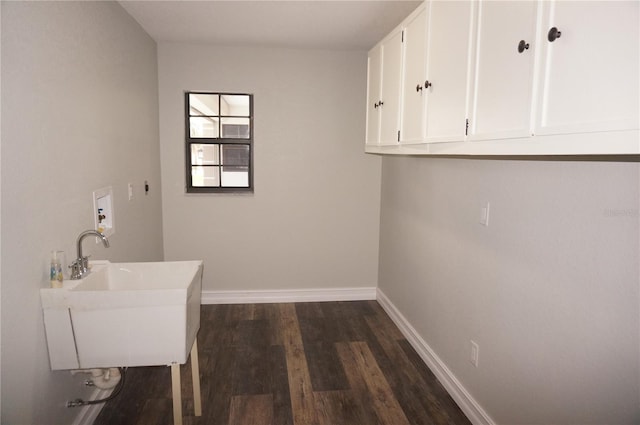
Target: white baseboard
[288,295]
[469,406]
[87,414]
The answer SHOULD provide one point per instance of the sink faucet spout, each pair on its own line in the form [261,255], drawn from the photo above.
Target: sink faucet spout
[80,266]
[86,233]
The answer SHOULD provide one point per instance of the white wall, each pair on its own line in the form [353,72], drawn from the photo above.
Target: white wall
[314,217]
[79,112]
[549,290]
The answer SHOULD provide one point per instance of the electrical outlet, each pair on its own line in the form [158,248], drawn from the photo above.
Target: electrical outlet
[484,215]
[475,352]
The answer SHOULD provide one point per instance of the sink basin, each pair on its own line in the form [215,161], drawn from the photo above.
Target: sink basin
[124,314]
[139,276]
[135,284]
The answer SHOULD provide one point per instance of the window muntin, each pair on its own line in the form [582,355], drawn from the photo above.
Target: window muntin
[219,139]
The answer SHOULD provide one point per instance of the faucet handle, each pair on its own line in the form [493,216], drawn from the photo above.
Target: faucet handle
[85,263]
[79,267]
[76,269]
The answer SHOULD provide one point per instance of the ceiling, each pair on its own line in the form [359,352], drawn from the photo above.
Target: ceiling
[341,25]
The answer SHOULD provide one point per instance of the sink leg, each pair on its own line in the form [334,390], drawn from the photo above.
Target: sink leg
[177,398]
[195,374]
[176,388]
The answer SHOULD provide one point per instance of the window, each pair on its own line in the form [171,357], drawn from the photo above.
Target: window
[219,142]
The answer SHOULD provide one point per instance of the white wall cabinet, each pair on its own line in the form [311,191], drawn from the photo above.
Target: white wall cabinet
[413,79]
[436,72]
[492,64]
[503,83]
[448,69]
[589,73]
[384,88]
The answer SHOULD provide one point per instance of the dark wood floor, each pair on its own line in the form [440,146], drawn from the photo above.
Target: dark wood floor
[306,363]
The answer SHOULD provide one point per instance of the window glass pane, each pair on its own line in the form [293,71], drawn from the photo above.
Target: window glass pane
[219,142]
[205,176]
[233,155]
[203,127]
[203,104]
[235,128]
[205,154]
[235,176]
[235,105]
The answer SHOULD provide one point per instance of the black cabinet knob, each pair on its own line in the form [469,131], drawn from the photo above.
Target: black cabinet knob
[522,46]
[418,88]
[380,103]
[375,105]
[427,84]
[553,34]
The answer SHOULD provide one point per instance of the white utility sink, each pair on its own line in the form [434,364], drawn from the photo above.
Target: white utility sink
[124,314]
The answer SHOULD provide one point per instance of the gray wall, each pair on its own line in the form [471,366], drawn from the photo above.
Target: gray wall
[79,112]
[549,290]
[314,217]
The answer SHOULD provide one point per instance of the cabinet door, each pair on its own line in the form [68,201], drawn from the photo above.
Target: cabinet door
[413,79]
[503,76]
[390,94]
[374,82]
[448,66]
[590,74]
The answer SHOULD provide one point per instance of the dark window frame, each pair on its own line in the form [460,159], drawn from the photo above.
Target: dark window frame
[220,142]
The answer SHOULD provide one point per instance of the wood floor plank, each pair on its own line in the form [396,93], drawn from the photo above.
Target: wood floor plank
[309,310]
[325,369]
[217,386]
[251,410]
[343,309]
[301,392]
[251,371]
[383,325]
[366,377]
[272,315]
[354,329]
[282,412]
[237,312]
[156,411]
[339,408]
[216,329]
[251,332]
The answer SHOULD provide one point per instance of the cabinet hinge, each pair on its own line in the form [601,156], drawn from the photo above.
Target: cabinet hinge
[398,135]
[402,37]
[466,127]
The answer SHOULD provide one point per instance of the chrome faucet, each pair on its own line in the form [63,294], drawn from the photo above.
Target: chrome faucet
[80,266]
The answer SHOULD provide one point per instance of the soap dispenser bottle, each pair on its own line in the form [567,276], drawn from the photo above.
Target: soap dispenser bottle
[55,270]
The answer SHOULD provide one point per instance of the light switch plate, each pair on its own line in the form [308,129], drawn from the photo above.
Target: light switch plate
[484,215]
[475,352]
